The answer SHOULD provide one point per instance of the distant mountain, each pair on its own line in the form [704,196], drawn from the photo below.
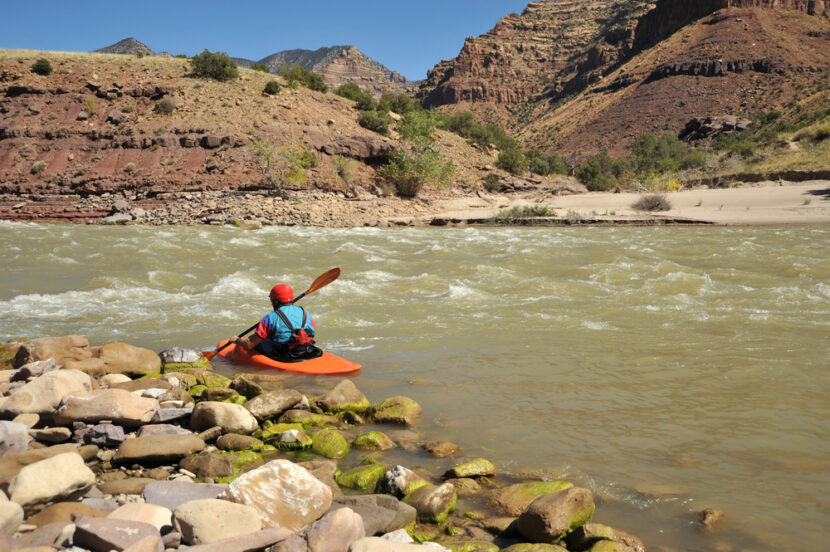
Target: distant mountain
[129,46]
[339,65]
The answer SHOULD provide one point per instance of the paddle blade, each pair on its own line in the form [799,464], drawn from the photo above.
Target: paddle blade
[323,280]
[210,355]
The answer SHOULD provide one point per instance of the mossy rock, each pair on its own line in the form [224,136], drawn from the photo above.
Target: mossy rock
[535,547]
[515,499]
[202,363]
[301,441]
[187,380]
[362,478]
[214,380]
[350,418]
[156,374]
[373,440]
[468,546]
[609,546]
[415,485]
[271,431]
[479,467]
[227,480]
[247,387]
[426,503]
[476,515]
[197,391]
[330,444]
[306,418]
[236,399]
[244,458]
[397,410]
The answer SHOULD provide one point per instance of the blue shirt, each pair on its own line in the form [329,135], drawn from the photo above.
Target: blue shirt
[272,327]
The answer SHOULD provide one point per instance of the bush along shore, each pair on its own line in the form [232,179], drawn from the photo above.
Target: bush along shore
[120,448]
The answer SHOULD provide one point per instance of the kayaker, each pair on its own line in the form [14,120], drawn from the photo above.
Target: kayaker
[286,333]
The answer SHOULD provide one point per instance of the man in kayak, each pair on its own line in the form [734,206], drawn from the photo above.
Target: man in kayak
[285,334]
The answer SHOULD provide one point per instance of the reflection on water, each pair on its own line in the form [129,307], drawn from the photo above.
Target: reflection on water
[668,369]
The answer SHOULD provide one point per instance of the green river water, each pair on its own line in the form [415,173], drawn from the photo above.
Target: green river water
[667,369]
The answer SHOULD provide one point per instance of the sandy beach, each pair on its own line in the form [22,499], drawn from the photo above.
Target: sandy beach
[752,204]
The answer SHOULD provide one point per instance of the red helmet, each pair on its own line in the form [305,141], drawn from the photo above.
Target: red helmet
[282,293]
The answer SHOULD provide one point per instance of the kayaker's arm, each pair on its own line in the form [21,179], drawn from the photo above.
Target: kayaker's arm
[247,342]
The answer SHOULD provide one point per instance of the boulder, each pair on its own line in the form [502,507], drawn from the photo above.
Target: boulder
[261,540]
[401,481]
[11,516]
[232,418]
[114,405]
[381,514]
[63,512]
[11,464]
[209,520]
[335,532]
[34,370]
[515,499]
[433,503]
[373,440]
[110,380]
[43,395]
[324,470]
[584,537]
[441,449]
[344,397]
[208,465]
[273,403]
[104,534]
[479,467]
[14,437]
[362,478]
[61,349]
[246,387]
[157,449]
[330,443]
[552,516]
[122,358]
[359,147]
[171,494]
[235,441]
[59,477]
[284,494]
[397,410]
[158,516]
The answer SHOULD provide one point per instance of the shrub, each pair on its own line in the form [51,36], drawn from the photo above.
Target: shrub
[512,160]
[822,133]
[260,67]
[417,125]
[463,123]
[558,164]
[165,106]
[298,155]
[600,172]
[129,167]
[652,202]
[375,122]
[526,211]
[492,183]
[42,67]
[344,167]
[537,163]
[214,65]
[658,153]
[272,88]
[365,101]
[297,74]
[38,167]
[398,103]
[409,171]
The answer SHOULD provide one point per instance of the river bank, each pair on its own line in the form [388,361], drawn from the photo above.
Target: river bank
[749,204]
[160,451]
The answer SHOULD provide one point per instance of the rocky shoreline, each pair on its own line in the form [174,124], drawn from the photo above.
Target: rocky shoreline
[118,447]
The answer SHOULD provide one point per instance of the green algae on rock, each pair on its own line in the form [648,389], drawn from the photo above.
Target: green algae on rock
[397,410]
[373,440]
[246,387]
[535,547]
[271,431]
[306,418]
[515,499]
[552,516]
[168,367]
[330,443]
[433,503]
[479,467]
[344,397]
[292,439]
[363,478]
[196,391]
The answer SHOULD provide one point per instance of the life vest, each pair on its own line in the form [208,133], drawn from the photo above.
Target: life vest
[299,336]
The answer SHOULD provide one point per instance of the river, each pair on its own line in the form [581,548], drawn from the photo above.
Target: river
[668,369]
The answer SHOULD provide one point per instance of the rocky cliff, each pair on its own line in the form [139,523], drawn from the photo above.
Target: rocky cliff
[128,46]
[553,48]
[339,65]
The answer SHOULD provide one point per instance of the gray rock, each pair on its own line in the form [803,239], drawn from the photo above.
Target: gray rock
[34,369]
[170,414]
[104,534]
[273,403]
[252,542]
[433,503]
[157,449]
[103,435]
[177,355]
[208,465]
[233,418]
[14,437]
[551,516]
[335,532]
[399,481]
[117,218]
[381,514]
[171,494]
[234,441]
[162,429]
[324,470]
[103,504]
[344,396]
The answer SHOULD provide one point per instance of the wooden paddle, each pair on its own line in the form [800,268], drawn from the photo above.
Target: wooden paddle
[322,281]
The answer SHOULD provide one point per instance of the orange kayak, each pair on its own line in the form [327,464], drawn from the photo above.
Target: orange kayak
[325,365]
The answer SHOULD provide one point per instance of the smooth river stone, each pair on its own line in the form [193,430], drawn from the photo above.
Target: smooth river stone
[335,531]
[551,516]
[261,540]
[56,478]
[44,394]
[211,519]
[157,449]
[232,418]
[158,516]
[171,494]
[115,405]
[62,349]
[104,534]
[162,429]
[14,437]
[273,403]
[284,494]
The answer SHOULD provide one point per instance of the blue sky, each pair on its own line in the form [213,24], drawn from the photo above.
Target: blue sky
[407,36]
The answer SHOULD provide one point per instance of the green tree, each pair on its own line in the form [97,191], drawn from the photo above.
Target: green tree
[374,121]
[512,160]
[214,65]
[410,170]
[297,74]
